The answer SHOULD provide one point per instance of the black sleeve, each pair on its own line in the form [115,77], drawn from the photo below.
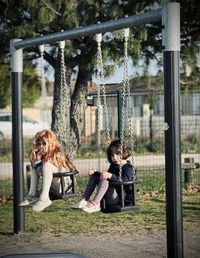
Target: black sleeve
[127,173]
[114,178]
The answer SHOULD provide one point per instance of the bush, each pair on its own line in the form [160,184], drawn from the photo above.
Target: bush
[190,144]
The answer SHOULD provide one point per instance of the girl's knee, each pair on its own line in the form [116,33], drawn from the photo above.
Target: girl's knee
[49,168]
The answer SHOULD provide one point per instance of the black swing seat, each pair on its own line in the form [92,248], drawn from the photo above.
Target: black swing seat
[65,193]
[68,192]
[122,205]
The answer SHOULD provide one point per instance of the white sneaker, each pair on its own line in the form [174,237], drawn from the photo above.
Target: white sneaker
[91,207]
[41,205]
[79,205]
[29,199]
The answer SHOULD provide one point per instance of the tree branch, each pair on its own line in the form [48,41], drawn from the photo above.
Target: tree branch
[50,7]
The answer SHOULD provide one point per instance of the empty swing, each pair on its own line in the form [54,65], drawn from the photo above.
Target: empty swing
[119,185]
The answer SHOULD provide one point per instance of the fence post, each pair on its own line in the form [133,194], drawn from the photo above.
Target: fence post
[188,176]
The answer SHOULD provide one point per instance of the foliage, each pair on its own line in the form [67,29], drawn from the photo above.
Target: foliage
[31,86]
[5,90]
[190,38]
[28,19]
[5,150]
[30,89]
[191,144]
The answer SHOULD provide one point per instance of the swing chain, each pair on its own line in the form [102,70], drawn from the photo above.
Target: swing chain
[43,85]
[64,99]
[126,102]
[99,71]
[125,79]
[127,87]
[101,86]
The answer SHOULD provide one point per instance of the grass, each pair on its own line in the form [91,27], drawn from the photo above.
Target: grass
[60,218]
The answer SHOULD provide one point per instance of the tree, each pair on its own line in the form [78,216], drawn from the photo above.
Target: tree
[26,19]
[31,85]
[5,93]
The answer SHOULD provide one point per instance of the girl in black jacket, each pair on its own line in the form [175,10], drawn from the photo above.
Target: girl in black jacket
[120,169]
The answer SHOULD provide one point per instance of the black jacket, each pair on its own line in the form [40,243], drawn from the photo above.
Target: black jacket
[127,172]
[127,175]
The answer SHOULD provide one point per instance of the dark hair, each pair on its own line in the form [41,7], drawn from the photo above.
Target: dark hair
[115,148]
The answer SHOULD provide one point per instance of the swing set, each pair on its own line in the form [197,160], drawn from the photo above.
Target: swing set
[169,14]
[126,106]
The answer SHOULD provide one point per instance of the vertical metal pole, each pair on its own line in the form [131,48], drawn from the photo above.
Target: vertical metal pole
[171,47]
[17,139]
[119,110]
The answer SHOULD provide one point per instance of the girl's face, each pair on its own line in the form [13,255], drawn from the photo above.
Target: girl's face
[40,145]
[116,158]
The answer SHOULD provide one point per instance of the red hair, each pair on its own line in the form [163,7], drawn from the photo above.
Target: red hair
[52,151]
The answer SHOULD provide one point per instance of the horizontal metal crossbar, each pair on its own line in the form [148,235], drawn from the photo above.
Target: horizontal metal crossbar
[126,22]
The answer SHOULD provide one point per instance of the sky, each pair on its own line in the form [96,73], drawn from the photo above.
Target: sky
[132,72]
[118,75]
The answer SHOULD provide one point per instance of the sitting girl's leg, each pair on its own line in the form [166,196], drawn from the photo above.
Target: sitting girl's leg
[95,204]
[92,183]
[102,189]
[111,196]
[44,201]
[34,182]
[31,197]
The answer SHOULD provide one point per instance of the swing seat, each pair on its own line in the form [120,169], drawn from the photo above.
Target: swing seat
[122,205]
[68,192]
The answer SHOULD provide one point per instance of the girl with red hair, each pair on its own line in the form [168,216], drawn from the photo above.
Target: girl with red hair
[46,158]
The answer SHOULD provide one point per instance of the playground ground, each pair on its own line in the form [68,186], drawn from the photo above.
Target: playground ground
[140,245]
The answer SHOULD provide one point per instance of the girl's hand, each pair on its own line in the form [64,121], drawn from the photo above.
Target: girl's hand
[39,155]
[105,175]
[91,172]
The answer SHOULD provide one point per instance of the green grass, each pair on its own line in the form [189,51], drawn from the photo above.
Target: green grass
[60,218]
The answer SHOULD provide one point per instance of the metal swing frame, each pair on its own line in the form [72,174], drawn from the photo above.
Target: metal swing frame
[169,15]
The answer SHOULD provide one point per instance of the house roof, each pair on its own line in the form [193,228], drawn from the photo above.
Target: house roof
[137,85]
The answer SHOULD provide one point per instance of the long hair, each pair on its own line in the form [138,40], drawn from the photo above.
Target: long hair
[52,151]
[115,147]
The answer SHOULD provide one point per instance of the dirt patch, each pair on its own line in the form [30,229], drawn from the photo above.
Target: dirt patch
[143,245]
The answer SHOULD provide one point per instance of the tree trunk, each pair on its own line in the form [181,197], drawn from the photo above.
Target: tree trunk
[61,106]
[68,113]
[79,103]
